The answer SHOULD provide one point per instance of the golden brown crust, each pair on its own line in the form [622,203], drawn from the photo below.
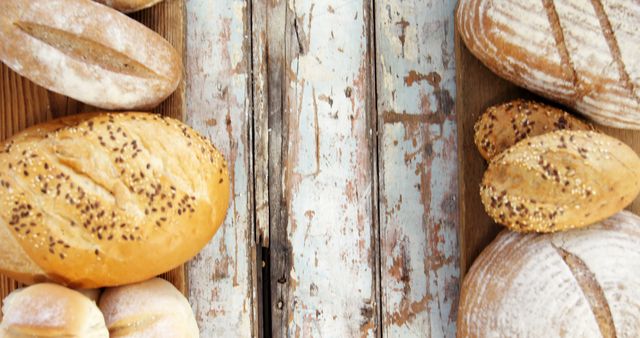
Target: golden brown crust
[108,199]
[501,126]
[560,180]
[129,6]
[584,56]
[89,52]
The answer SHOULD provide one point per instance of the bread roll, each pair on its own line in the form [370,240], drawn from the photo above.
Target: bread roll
[560,180]
[149,309]
[582,53]
[501,126]
[579,283]
[49,310]
[108,199]
[89,52]
[128,6]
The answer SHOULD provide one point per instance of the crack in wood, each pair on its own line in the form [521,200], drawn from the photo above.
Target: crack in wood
[279,53]
[592,291]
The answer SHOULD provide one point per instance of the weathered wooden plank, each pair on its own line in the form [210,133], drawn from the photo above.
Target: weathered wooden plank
[221,277]
[418,167]
[260,165]
[323,241]
[259,19]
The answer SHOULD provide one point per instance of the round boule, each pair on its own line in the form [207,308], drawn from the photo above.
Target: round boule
[577,283]
[561,180]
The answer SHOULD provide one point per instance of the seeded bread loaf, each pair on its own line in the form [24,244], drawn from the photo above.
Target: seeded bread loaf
[560,180]
[99,200]
[148,309]
[504,125]
[581,53]
[89,52]
[578,283]
[128,6]
[49,310]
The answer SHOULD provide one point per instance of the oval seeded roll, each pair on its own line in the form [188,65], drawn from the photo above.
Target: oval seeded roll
[49,310]
[504,125]
[578,283]
[128,6]
[149,309]
[560,180]
[99,200]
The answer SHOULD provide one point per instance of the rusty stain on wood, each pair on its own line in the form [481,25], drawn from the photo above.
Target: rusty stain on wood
[328,175]
[418,187]
[222,275]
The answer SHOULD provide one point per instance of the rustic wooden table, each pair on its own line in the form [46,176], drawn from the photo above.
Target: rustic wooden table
[337,119]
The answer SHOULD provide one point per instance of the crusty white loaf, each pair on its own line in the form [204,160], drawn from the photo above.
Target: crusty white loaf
[107,199]
[49,310]
[128,6]
[578,283]
[149,309]
[582,53]
[89,52]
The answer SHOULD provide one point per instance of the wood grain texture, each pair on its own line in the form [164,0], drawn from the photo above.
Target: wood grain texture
[260,13]
[278,36]
[322,237]
[221,277]
[23,104]
[477,89]
[418,167]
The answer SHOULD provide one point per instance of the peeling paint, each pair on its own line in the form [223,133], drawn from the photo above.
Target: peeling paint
[418,163]
[220,284]
[328,179]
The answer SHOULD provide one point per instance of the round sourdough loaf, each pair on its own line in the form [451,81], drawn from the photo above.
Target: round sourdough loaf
[560,180]
[49,310]
[583,54]
[107,199]
[128,6]
[501,126]
[154,308]
[89,52]
[578,283]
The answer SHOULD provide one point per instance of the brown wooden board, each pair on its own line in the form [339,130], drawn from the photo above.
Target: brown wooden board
[477,89]
[23,103]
